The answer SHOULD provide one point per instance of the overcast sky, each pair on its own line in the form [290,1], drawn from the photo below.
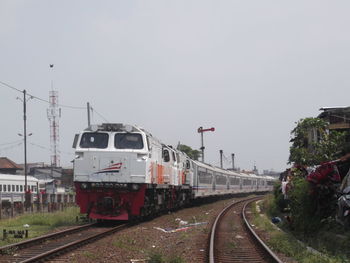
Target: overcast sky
[251,69]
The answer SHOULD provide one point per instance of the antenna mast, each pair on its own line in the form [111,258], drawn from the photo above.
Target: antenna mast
[53,115]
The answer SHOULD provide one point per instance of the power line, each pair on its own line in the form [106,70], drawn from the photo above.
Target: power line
[8,143]
[11,87]
[47,149]
[11,147]
[46,101]
[100,115]
[40,99]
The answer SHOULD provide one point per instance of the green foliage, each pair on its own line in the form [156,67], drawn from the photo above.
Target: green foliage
[302,207]
[312,143]
[193,154]
[288,245]
[157,257]
[280,203]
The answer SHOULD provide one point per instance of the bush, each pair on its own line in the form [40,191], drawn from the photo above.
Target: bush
[280,202]
[303,207]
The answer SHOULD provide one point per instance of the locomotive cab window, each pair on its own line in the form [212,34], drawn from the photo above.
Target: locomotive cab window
[94,140]
[166,155]
[128,141]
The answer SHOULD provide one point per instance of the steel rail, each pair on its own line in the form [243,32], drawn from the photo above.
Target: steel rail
[73,244]
[271,254]
[213,234]
[41,239]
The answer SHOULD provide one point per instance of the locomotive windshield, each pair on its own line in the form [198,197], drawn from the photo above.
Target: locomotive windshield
[128,141]
[94,140]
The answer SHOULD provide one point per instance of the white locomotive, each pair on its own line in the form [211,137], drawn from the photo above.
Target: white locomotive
[122,171]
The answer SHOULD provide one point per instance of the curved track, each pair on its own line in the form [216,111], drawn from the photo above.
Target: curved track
[49,246]
[233,240]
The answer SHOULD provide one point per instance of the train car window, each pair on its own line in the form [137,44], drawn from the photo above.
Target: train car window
[188,164]
[17,188]
[9,188]
[234,181]
[148,144]
[204,177]
[13,188]
[75,142]
[32,188]
[0,187]
[94,140]
[4,187]
[166,155]
[174,157]
[220,179]
[128,141]
[21,187]
[247,182]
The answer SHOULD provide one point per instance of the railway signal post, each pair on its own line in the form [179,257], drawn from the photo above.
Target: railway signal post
[201,130]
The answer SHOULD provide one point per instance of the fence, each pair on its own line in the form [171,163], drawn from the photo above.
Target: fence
[13,204]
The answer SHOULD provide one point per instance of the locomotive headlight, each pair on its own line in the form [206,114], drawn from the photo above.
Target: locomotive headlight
[135,187]
[83,186]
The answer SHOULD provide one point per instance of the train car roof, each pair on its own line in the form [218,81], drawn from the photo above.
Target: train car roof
[15,177]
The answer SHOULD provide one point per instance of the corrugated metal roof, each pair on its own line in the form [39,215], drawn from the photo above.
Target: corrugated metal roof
[12,177]
[6,163]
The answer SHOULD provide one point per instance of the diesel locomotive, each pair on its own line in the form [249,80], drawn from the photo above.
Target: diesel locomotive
[122,172]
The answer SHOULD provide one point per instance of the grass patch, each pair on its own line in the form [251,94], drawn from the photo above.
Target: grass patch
[39,223]
[125,243]
[157,257]
[287,244]
[90,255]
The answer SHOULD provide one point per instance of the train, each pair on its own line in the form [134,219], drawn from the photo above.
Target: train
[12,187]
[122,172]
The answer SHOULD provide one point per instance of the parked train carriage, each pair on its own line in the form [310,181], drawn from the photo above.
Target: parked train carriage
[12,187]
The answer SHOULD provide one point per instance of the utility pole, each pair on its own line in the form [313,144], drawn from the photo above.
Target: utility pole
[233,161]
[221,153]
[25,141]
[201,130]
[88,114]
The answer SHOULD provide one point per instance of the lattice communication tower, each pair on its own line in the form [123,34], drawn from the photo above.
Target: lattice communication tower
[53,115]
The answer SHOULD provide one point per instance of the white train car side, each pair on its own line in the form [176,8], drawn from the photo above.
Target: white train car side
[13,187]
[209,180]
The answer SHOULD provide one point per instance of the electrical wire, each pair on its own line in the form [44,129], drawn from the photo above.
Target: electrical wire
[100,115]
[60,105]
[40,99]
[11,87]
[47,149]
[11,147]
[8,143]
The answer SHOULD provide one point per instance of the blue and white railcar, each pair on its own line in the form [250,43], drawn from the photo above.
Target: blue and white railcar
[12,187]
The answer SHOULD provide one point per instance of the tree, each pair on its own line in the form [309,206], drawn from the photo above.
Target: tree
[193,154]
[313,143]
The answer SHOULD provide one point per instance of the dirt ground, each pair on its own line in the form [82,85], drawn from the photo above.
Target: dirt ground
[149,239]
[163,237]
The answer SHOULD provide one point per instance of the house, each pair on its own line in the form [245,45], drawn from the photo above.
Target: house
[8,167]
[338,119]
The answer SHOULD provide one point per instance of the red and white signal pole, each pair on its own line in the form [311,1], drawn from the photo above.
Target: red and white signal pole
[201,130]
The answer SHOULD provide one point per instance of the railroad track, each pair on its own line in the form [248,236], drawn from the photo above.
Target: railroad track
[46,247]
[232,238]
